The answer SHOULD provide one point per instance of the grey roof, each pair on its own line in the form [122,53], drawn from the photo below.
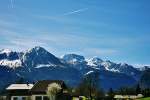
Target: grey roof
[19,87]
[41,86]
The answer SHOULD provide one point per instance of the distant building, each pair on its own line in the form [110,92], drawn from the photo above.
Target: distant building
[35,91]
[131,97]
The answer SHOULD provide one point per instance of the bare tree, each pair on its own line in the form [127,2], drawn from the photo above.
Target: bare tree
[52,90]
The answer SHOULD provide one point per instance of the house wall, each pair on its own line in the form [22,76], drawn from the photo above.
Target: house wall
[20,98]
[3,97]
[33,97]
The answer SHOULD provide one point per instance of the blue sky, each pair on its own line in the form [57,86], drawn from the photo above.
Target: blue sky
[117,30]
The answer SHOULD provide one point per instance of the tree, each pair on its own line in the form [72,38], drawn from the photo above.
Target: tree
[127,91]
[92,81]
[144,80]
[146,92]
[111,94]
[138,89]
[52,90]
[89,86]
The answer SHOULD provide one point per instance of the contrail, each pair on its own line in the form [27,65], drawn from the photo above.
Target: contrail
[75,11]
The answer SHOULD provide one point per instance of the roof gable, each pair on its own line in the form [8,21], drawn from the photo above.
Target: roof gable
[41,86]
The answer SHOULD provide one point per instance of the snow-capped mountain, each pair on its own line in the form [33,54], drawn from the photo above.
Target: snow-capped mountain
[111,66]
[73,58]
[143,68]
[75,61]
[8,54]
[38,56]
[10,58]
[38,64]
[6,51]
[96,63]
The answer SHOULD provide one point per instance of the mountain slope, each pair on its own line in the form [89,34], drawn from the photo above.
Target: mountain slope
[38,64]
[38,55]
[145,81]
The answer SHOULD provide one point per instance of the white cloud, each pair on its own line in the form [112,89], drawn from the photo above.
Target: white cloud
[26,42]
[101,51]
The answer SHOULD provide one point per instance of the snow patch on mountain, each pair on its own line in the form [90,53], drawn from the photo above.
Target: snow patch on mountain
[73,58]
[89,72]
[45,65]
[106,64]
[114,70]
[95,61]
[11,63]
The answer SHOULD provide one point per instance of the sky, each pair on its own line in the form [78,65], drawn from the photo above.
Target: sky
[117,30]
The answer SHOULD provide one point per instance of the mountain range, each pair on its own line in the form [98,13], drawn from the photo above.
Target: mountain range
[39,64]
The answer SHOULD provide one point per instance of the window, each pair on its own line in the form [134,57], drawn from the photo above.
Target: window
[45,98]
[15,98]
[38,98]
[23,98]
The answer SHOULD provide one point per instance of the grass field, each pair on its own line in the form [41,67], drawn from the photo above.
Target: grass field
[147,98]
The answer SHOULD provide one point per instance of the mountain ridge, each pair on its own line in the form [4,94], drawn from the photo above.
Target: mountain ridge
[17,54]
[38,64]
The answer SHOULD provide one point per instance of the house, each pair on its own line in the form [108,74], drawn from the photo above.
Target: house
[131,97]
[37,91]
[40,88]
[18,91]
